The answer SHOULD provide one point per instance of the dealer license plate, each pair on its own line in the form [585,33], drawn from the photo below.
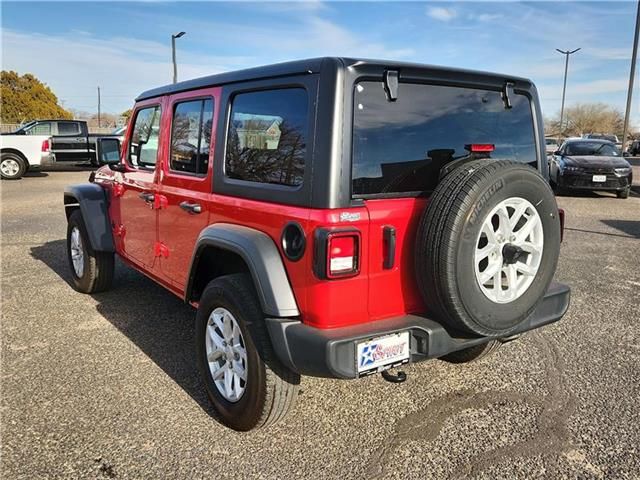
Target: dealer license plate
[382,353]
[599,178]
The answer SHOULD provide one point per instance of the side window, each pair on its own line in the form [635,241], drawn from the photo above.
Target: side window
[191,136]
[143,146]
[40,129]
[266,140]
[68,128]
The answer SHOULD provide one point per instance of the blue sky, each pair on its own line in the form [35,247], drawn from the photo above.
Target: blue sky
[124,47]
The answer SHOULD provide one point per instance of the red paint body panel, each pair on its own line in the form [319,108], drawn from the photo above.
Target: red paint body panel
[394,291]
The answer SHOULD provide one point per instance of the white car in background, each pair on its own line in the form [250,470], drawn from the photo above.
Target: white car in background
[21,153]
[551,145]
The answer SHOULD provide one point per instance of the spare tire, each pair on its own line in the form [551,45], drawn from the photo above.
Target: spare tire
[487,246]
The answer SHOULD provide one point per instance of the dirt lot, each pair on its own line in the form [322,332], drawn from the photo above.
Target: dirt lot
[106,385]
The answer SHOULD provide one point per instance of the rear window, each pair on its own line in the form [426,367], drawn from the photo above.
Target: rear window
[267,137]
[68,128]
[400,146]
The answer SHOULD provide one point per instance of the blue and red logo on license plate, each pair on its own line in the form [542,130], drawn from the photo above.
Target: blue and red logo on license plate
[382,353]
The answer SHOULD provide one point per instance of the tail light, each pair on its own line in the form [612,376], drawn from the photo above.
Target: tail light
[45,146]
[337,253]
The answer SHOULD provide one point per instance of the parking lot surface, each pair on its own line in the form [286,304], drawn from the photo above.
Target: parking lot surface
[105,386]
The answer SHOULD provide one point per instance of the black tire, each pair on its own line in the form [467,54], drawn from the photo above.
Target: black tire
[13,159]
[447,238]
[98,267]
[624,193]
[473,354]
[270,389]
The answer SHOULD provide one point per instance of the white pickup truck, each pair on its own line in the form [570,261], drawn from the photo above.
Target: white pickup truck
[21,153]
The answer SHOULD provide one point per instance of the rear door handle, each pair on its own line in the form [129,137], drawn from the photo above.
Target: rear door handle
[191,207]
[147,197]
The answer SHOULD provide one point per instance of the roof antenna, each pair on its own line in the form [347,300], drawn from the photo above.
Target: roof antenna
[391,85]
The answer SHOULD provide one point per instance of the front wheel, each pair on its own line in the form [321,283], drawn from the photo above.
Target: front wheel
[91,271]
[624,193]
[246,383]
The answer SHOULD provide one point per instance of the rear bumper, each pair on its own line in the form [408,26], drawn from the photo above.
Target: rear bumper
[331,352]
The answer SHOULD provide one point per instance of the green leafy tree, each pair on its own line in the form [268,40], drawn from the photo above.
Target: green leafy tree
[25,98]
[126,114]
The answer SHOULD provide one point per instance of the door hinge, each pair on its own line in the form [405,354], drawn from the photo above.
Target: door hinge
[160,201]
[118,190]
[160,250]
[119,230]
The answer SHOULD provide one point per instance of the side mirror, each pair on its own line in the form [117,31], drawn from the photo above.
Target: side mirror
[108,151]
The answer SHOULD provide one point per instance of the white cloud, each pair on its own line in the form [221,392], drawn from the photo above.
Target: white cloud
[599,87]
[487,17]
[442,14]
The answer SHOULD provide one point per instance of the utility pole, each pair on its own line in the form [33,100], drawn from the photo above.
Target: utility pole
[631,77]
[566,53]
[173,55]
[98,107]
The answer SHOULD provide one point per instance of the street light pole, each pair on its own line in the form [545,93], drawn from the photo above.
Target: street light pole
[631,78]
[173,55]
[566,53]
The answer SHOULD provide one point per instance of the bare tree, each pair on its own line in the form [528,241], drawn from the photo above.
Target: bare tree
[585,118]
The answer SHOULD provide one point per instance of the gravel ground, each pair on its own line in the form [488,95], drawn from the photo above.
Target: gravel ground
[105,386]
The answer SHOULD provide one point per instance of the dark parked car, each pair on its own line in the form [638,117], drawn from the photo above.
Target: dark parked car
[70,139]
[590,165]
[634,148]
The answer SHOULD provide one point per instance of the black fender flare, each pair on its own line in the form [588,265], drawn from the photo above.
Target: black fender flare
[92,201]
[263,259]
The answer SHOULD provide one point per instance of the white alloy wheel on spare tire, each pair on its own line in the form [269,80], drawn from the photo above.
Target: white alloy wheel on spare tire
[487,246]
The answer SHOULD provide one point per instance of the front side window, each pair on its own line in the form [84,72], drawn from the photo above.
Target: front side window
[39,129]
[68,128]
[401,146]
[143,147]
[191,136]
[266,140]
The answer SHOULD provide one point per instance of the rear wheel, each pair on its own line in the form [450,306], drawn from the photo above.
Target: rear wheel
[487,246]
[246,383]
[91,271]
[12,166]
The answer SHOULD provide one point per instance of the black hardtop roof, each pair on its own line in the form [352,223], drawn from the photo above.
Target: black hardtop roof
[300,67]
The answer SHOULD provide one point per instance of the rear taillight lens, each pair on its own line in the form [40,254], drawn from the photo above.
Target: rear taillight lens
[337,253]
[342,255]
[45,146]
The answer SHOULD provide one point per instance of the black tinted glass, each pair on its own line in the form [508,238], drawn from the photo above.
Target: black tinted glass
[191,136]
[68,128]
[401,146]
[267,136]
[592,149]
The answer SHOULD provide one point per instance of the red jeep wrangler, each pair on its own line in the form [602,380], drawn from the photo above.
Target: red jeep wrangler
[331,217]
